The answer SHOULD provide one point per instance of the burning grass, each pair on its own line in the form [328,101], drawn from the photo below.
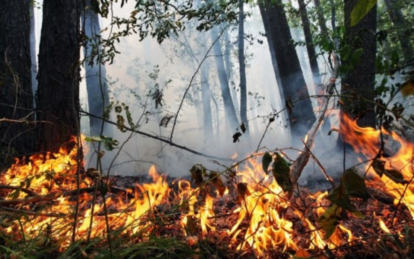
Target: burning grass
[248,214]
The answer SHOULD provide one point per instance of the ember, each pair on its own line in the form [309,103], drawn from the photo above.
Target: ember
[249,215]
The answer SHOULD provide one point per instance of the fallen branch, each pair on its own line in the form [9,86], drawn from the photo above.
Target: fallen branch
[29,192]
[303,158]
[161,139]
[52,215]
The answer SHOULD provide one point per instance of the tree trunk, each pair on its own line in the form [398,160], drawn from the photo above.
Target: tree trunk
[16,97]
[58,89]
[398,20]
[321,17]
[224,83]
[313,60]
[359,82]
[242,69]
[96,85]
[206,99]
[268,35]
[33,49]
[295,91]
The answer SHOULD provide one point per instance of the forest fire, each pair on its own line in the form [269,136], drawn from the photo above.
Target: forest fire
[249,214]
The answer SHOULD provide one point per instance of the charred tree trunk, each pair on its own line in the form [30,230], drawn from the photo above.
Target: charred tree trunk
[16,97]
[359,82]
[58,90]
[224,83]
[242,69]
[295,91]
[400,24]
[321,17]
[313,60]
[96,85]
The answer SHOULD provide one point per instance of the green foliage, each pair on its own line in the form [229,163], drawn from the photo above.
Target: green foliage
[360,10]
[329,220]
[266,160]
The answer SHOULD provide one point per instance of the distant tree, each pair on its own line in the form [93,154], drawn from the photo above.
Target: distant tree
[400,24]
[310,47]
[295,91]
[231,115]
[96,84]
[58,89]
[16,97]
[242,69]
[33,48]
[321,17]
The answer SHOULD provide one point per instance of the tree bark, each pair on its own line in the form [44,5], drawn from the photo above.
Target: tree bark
[16,97]
[58,89]
[313,60]
[400,24]
[33,49]
[359,82]
[242,70]
[224,83]
[96,84]
[295,91]
[321,17]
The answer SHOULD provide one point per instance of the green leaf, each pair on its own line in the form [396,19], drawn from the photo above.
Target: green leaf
[340,197]
[281,170]
[360,10]
[355,184]
[329,220]
[93,139]
[266,160]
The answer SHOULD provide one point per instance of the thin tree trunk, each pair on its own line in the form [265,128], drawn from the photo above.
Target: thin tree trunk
[16,97]
[313,60]
[58,89]
[33,49]
[224,83]
[295,91]
[321,17]
[96,85]
[242,69]
[206,99]
[400,24]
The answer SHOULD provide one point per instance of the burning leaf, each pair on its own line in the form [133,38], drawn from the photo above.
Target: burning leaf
[267,158]
[93,173]
[281,170]
[243,127]
[215,178]
[395,175]
[329,220]
[289,105]
[242,190]
[355,184]
[191,226]
[197,174]
[236,137]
